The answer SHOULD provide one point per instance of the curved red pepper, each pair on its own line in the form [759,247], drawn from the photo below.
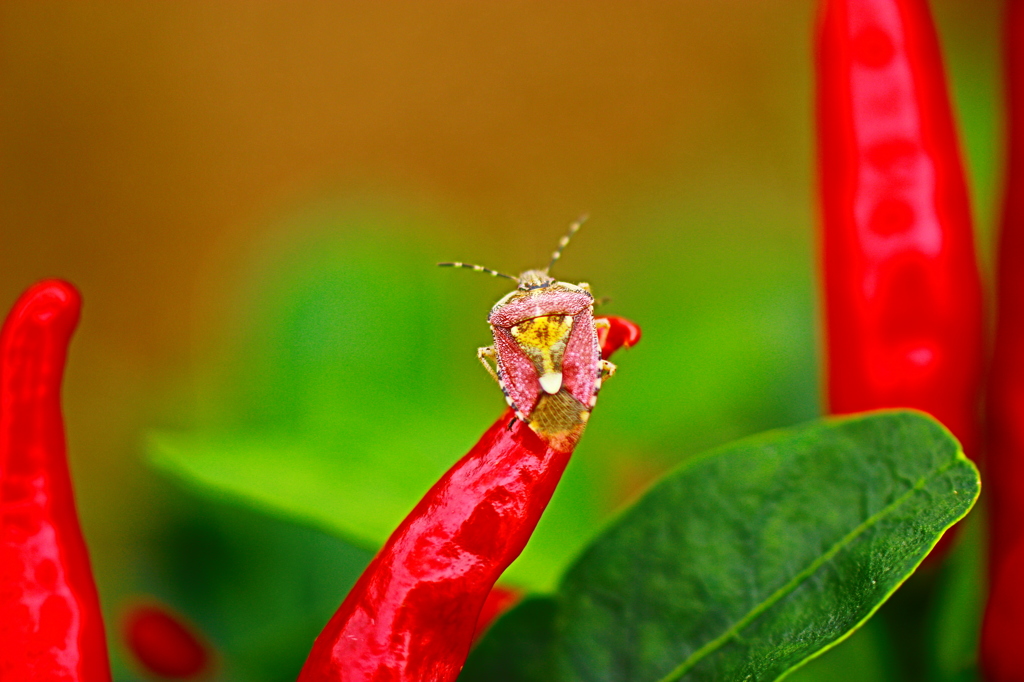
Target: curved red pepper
[50,622]
[1003,632]
[412,615]
[902,290]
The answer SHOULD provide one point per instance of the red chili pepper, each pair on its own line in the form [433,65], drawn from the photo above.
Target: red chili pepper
[412,615]
[164,645]
[1003,632]
[50,622]
[902,291]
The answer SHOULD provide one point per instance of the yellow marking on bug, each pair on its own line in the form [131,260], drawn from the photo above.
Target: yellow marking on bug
[543,340]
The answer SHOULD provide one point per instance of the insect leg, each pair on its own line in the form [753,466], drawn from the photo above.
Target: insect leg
[607,369]
[485,354]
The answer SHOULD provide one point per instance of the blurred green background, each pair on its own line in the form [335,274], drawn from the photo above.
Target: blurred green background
[252,198]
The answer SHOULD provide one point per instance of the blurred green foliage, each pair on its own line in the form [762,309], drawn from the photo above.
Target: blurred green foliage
[355,384]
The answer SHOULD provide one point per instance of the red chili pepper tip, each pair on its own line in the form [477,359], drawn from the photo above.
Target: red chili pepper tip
[413,613]
[620,333]
[164,645]
[50,622]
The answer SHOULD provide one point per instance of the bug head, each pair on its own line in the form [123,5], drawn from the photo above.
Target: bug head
[535,279]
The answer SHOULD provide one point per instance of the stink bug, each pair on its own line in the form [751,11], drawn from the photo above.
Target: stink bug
[546,357]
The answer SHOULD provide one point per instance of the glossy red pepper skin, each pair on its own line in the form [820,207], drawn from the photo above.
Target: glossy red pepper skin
[902,292]
[50,622]
[1002,654]
[413,613]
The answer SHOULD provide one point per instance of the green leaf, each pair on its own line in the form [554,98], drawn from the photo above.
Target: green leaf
[748,561]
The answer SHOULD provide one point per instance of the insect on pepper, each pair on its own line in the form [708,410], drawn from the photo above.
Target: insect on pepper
[546,355]
[418,606]
[416,609]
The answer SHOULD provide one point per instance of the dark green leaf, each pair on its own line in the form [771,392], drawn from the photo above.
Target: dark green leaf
[743,564]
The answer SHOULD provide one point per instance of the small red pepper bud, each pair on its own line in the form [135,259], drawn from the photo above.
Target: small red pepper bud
[50,622]
[1002,655]
[164,645]
[413,613]
[902,290]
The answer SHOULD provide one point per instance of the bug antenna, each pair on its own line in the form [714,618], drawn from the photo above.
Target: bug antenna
[478,268]
[564,241]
